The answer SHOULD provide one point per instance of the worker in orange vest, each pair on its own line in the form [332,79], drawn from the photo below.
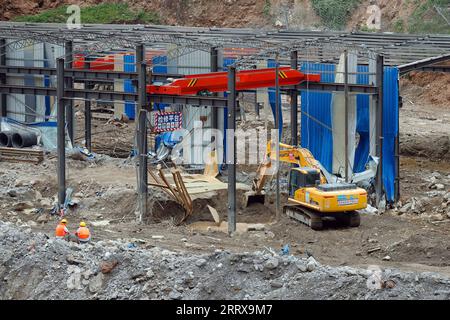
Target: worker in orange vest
[83,233]
[61,229]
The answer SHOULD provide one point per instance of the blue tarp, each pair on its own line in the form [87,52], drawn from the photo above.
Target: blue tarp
[160,66]
[316,134]
[129,66]
[316,123]
[362,123]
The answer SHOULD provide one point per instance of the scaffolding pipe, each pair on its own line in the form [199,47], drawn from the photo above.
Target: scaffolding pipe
[346,101]
[87,117]
[61,141]
[68,47]
[277,127]
[231,149]
[379,127]
[294,103]
[3,106]
[142,131]
[214,63]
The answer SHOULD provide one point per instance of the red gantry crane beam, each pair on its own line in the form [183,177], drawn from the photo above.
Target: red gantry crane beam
[245,80]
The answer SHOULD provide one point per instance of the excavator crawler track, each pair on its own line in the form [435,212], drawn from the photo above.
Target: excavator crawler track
[351,219]
[314,219]
[305,216]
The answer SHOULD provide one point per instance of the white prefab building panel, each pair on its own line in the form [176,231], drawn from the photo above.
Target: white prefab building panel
[26,108]
[197,120]
[338,119]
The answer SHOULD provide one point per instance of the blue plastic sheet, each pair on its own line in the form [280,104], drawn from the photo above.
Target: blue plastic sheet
[316,122]
[160,66]
[316,133]
[129,66]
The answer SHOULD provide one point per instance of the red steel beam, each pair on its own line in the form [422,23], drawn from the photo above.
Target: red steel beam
[217,81]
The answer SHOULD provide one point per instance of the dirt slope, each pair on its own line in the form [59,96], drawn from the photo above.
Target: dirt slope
[233,13]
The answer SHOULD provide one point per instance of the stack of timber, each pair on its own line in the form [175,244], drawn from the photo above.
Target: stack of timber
[21,155]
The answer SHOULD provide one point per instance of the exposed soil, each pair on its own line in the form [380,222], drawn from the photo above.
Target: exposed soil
[244,13]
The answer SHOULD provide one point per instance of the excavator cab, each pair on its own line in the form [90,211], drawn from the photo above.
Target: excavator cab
[303,177]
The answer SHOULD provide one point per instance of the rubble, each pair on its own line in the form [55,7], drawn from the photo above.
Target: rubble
[158,278]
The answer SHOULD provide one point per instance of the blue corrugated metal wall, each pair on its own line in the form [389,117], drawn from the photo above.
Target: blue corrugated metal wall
[160,66]
[316,122]
[129,66]
[272,101]
[390,128]
[316,134]
[362,123]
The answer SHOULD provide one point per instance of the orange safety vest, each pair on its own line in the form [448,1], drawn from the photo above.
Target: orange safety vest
[60,230]
[83,233]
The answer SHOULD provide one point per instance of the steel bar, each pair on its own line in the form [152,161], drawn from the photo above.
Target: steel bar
[142,131]
[346,101]
[214,67]
[278,129]
[379,127]
[87,118]
[3,106]
[231,149]
[61,137]
[70,116]
[294,103]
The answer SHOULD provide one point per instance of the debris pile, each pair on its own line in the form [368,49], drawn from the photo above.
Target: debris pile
[32,266]
[435,203]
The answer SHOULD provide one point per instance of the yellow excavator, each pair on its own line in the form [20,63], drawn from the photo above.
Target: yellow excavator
[311,196]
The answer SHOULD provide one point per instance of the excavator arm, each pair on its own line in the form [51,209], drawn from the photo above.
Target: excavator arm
[288,154]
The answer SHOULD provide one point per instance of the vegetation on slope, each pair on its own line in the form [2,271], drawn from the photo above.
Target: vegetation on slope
[426,19]
[102,13]
[334,13]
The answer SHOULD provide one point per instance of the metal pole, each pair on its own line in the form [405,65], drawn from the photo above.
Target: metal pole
[68,47]
[379,127]
[397,153]
[231,149]
[3,106]
[346,101]
[87,117]
[277,127]
[294,103]
[142,131]
[214,66]
[61,137]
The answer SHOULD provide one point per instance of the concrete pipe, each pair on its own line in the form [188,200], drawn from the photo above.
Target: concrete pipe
[24,139]
[6,139]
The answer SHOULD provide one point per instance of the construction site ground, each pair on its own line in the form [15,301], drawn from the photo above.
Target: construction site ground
[409,237]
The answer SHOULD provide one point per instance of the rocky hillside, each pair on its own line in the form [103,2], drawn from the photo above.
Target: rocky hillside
[396,15]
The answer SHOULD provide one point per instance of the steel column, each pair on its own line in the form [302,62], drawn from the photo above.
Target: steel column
[68,47]
[346,101]
[214,67]
[379,127]
[277,127]
[231,149]
[294,103]
[3,106]
[142,131]
[87,117]
[61,137]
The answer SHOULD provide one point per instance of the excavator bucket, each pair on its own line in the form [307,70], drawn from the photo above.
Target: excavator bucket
[251,197]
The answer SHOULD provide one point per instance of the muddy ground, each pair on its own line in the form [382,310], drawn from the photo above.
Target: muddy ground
[412,236]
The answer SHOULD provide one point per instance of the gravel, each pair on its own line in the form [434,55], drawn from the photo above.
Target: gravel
[35,267]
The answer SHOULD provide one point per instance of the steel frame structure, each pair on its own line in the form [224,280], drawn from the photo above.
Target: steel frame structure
[387,49]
